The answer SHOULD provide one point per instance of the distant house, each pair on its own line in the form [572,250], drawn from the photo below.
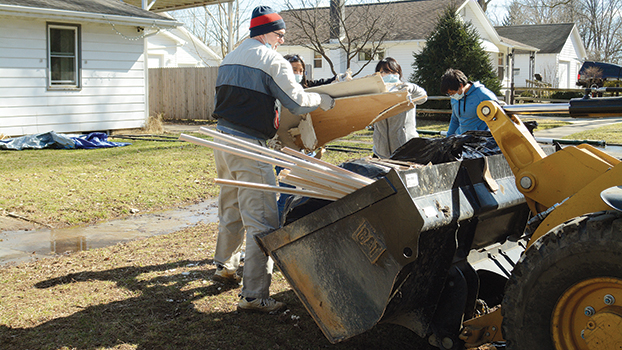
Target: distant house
[180,48]
[559,56]
[74,66]
[414,22]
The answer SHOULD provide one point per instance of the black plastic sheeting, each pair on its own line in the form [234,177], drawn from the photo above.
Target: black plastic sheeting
[470,145]
[53,140]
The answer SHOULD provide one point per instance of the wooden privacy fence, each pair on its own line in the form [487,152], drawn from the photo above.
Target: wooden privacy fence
[182,93]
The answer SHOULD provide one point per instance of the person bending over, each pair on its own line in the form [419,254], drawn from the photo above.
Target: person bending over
[465,97]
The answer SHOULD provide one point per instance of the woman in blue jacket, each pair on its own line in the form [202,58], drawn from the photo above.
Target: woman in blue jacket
[465,97]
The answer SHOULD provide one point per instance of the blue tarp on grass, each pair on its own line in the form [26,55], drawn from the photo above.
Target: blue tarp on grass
[59,141]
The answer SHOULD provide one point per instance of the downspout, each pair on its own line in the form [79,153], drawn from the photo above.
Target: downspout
[512,77]
[532,65]
[145,6]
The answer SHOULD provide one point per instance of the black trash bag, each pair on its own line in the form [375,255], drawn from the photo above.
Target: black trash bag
[361,167]
[296,207]
[470,145]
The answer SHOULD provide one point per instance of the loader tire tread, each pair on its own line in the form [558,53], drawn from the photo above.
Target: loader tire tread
[584,247]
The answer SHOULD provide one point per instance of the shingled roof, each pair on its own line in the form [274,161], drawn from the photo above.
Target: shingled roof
[518,45]
[105,7]
[549,38]
[410,20]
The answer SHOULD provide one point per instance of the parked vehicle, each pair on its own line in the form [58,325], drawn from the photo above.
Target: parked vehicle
[594,74]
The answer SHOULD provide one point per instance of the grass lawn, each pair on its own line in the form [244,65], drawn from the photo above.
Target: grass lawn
[153,293]
[610,133]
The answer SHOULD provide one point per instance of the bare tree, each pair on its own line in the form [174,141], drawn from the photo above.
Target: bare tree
[601,29]
[599,22]
[542,11]
[484,4]
[355,28]
[218,25]
[549,74]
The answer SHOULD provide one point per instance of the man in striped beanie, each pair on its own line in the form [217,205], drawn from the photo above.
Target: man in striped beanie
[250,80]
[265,20]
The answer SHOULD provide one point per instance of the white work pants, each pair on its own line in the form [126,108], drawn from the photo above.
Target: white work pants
[243,210]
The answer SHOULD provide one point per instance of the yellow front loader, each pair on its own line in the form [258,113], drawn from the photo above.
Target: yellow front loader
[521,249]
[566,290]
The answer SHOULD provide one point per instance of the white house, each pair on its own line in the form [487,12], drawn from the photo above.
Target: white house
[413,22]
[559,58]
[179,48]
[74,66]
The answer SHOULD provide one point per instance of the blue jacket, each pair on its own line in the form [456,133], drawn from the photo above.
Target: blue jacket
[250,80]
[464,111]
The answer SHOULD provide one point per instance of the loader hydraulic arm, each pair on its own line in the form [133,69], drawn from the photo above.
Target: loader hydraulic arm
[557,187]
[560,186]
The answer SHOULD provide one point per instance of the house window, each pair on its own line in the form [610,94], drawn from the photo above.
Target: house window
[63,56]
[366,55]
[516,71]
[317,60]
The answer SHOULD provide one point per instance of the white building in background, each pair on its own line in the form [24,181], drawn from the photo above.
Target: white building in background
[517,53]
[560,53]
[178,47]
[74,66]
[414,22]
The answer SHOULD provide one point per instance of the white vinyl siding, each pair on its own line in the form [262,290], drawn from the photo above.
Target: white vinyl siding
[571,56]
[112,93]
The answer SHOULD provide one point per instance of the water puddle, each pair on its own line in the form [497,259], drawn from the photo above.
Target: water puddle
[22,246]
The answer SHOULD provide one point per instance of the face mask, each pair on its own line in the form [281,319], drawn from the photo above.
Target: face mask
[298,78]
[391,78]
[267,43]
[457,96]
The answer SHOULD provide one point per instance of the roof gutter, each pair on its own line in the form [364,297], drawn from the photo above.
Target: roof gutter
[87,16]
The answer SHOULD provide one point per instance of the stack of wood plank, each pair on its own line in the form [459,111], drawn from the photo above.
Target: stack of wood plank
[312,177]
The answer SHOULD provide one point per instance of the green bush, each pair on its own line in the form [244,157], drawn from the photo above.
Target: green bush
[566,95]
[526,94]
[453,44]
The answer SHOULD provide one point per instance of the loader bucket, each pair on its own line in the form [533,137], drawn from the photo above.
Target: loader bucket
[383,252]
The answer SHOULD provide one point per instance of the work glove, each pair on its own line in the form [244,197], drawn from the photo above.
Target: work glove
[405,86]
[347,76]
[326,102]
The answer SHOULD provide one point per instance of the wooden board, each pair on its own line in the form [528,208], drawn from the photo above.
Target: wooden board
[350,114]
[371,84]
[354,113]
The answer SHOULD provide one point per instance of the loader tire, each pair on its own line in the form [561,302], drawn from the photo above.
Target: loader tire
[571,261]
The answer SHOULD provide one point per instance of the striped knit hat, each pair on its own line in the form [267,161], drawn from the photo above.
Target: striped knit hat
[264,20]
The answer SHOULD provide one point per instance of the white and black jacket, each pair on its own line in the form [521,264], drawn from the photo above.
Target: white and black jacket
[250,79]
